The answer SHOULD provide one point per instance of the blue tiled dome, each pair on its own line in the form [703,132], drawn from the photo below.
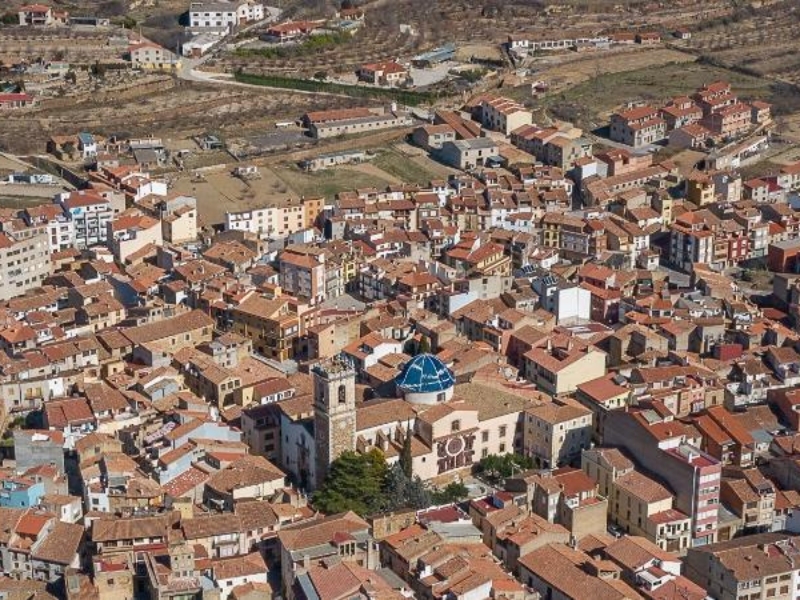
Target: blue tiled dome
[425,374]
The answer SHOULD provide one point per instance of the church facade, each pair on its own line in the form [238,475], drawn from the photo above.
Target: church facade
[452,426]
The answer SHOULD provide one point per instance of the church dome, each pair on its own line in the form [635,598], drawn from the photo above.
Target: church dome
[425,374]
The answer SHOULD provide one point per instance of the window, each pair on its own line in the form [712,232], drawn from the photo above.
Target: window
[342,394]
[502,448]
[503,430]
[484,436]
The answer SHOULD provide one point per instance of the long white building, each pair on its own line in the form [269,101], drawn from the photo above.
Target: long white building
[221,17]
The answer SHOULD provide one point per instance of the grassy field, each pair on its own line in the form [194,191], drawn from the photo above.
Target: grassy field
[591,102]
[330,181]
[405,168]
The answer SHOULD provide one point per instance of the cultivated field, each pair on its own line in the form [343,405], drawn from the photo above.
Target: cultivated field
[478,29]
[182,111]
[560,73]
[590,103]
[761,40]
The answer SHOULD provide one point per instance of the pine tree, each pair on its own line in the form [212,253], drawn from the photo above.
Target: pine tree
[424,345]
[355,482]
[401,492]
[406,459]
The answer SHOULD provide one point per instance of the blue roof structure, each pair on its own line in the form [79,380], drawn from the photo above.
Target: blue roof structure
[425,374]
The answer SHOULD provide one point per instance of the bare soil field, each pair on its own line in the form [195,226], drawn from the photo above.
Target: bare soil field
[219,192]
[686,160]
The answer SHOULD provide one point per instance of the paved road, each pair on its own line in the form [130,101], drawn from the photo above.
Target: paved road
[188,72]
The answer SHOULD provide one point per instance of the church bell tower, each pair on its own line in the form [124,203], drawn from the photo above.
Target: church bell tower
[334,413]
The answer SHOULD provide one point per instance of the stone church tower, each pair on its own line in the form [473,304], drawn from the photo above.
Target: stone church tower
[334,413]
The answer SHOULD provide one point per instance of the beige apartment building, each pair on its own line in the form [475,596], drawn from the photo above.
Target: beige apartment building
[504,115]
[130,232]
[178,216]
[270,324]
[556,433]
[642,506]
[754,567]
[559,363]
[601,396]
[638,126]
[24,261]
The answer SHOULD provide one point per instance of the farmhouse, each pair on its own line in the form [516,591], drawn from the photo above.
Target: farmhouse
[388,73]
[16,101]
[291,30]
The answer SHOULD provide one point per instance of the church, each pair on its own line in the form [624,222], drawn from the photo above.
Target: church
[452,425]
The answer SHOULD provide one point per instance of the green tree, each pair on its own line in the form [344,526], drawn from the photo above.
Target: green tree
[453,492]
[127,22]
[473,75]
[495,467]
[402,492]
[99,70]
[354,482]
[424,345]
[406,460]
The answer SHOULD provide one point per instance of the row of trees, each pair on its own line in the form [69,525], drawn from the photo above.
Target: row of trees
[407,97]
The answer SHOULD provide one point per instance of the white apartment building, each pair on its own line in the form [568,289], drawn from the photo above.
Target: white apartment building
[275,221]
[221,17]
[90,214]
[60,228]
